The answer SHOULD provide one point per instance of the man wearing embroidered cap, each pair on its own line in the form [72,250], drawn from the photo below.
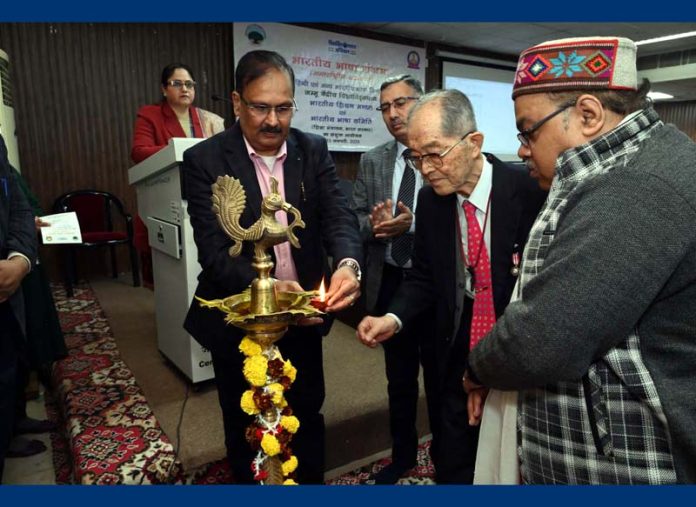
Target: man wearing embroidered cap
[601,341]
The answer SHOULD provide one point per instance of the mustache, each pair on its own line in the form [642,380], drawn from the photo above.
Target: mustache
[271,130]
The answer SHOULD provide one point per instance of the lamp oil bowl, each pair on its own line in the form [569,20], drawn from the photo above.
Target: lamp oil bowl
[265,314]
[289,308]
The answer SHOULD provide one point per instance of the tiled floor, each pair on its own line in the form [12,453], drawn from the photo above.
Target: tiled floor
[34,469]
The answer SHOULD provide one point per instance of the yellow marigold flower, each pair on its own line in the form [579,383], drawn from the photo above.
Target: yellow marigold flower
[289,482]
[270,444]
[276,392]
[250,347]
[289,466]
[248,404]
[255,370]
[290,371]
[290,423]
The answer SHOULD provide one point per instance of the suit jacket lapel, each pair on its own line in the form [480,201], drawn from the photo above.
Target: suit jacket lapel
[450,248]
[387,168]
[171,122]
[504,222]
[241,167]
[292,172]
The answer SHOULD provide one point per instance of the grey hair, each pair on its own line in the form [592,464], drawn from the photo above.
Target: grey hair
[406,78]
[457,113]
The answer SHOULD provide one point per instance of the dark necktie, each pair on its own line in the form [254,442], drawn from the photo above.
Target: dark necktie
[483,312]
[402,245]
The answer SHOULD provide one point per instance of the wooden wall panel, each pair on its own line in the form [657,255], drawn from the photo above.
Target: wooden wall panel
[681,114]
[77,87]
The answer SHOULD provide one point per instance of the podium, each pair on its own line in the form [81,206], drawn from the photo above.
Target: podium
[162,206]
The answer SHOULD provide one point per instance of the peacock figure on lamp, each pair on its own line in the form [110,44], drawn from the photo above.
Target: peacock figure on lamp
[265,314]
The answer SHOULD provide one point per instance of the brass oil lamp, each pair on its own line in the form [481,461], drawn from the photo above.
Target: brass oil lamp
[265,314]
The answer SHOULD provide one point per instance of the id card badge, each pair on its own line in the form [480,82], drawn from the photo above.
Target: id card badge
[469,290]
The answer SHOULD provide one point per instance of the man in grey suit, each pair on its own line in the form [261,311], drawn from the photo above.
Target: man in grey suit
[384,200]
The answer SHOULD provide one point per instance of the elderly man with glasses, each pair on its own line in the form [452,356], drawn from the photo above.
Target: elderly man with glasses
[601,342]
[384,198]
[471,227]
[259,146]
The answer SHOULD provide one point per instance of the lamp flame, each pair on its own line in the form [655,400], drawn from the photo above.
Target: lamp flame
[322,292]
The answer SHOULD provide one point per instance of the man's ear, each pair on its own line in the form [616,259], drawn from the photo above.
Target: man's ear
[593,116]
[476,141]
[236,100]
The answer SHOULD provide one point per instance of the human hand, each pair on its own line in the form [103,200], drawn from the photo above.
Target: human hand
[397,226]
[381,212]
[12,271]
[39,223]
[475,400]
[374,330]
[344,290]
[474,405]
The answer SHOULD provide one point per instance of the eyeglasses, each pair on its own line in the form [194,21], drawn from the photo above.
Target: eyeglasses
[397,102]
[523,136]
[263,110]
[434,159]
[178,83]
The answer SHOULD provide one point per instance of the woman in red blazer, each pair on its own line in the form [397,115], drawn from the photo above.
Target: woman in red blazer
[174,116]
[156,124]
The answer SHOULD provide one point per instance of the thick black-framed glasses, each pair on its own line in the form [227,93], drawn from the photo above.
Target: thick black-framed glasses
[434,159]
[263,110]
[523,136]
[397,102]
[178,83]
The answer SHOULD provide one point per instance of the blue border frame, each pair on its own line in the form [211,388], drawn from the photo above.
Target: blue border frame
[349,10]
[358,11]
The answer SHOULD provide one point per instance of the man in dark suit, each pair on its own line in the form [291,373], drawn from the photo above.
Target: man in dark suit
[475,204]
[17,255]
[262,144]
[384,195]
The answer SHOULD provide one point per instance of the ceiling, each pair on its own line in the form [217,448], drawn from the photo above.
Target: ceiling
[509,39]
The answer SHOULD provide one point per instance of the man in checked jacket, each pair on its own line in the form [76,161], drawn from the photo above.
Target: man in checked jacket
[601,342]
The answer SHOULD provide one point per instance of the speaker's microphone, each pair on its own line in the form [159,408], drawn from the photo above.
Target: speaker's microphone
[217,98]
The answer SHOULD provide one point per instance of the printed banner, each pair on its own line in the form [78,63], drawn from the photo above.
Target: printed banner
[337,78]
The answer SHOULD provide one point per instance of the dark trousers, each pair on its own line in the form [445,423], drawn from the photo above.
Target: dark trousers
[9,358]
[403,355]
[456,453]
[303,347]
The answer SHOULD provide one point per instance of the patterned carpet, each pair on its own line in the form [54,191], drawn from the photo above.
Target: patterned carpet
[112,435]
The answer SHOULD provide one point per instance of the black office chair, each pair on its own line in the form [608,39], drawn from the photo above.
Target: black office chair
[95,209]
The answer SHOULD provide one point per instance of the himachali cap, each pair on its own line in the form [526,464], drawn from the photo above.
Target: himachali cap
[603,63]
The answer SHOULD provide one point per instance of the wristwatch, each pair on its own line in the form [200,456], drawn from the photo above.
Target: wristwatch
[352,265]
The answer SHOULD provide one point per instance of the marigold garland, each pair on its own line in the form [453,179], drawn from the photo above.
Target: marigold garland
[248,404]
[250,347]
[290,423]
[255,370]
[276,391]
[270,444]
[289,466]
[269,376]
[289,371]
